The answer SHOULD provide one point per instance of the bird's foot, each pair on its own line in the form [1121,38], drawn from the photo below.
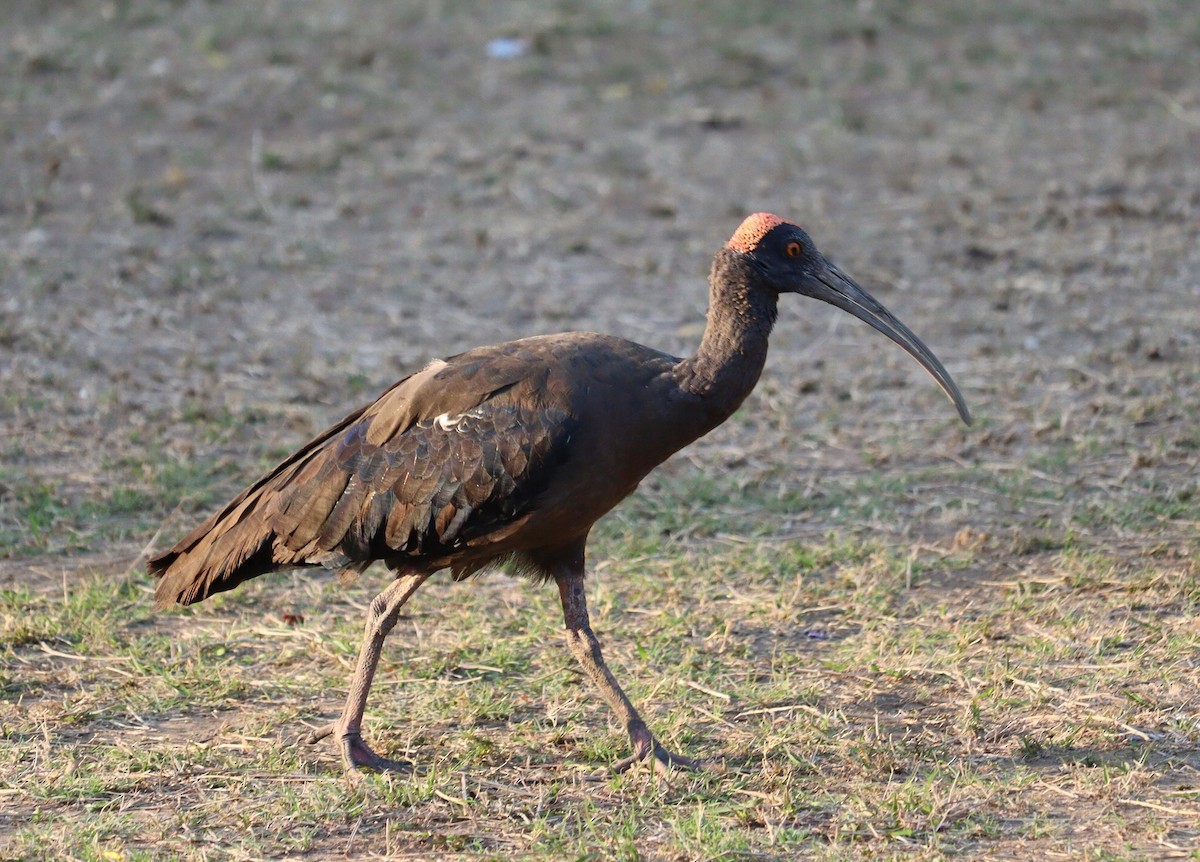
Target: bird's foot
[646,749]
[661,759]
[356,754]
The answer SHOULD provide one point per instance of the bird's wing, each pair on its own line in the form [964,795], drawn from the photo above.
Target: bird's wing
[430,468]
[445,458]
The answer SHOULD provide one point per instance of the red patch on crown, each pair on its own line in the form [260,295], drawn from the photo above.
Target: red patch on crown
[750,233]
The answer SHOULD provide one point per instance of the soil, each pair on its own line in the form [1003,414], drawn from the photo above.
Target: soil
[232,213]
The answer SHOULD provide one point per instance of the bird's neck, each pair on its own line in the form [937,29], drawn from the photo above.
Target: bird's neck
[733,350]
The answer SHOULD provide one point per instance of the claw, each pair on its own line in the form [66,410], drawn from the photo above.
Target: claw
[662,761]
[320,733]
[356,754]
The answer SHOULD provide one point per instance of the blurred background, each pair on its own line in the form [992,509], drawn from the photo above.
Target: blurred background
[227,224]
[255,217]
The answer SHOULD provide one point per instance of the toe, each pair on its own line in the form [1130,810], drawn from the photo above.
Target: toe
[357,755]
[663,761]
[320,733]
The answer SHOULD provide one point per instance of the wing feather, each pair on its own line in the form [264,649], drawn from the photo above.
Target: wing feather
[448,458]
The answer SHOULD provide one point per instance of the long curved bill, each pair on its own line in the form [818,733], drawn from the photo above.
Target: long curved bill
[835,287]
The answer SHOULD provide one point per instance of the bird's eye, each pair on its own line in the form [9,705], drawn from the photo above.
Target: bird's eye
[794,249]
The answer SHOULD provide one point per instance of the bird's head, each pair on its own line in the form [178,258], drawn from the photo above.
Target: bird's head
[784,258]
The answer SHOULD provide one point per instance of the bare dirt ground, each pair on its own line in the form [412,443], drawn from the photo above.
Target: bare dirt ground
[226,224]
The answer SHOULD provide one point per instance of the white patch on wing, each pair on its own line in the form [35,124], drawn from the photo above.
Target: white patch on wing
[446,422]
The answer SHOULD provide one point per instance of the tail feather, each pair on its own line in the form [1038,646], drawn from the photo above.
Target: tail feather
[252,534]
[232,546]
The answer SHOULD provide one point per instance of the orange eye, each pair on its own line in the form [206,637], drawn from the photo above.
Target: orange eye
[794,249]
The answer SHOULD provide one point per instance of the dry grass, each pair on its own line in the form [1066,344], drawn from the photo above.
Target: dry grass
[864,700]
[903,639]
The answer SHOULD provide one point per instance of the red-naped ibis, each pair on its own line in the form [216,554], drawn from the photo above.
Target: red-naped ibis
[511,453]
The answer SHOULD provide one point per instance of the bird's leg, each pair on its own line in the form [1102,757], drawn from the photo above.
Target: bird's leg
[347,730]
[586,649]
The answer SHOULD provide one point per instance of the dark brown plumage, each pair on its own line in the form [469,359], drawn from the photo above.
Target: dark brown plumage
[512,452]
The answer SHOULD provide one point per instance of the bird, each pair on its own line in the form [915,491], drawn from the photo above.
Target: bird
[509,454]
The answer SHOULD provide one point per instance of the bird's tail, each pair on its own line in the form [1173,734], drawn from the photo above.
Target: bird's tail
[232,546]
[260,531]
